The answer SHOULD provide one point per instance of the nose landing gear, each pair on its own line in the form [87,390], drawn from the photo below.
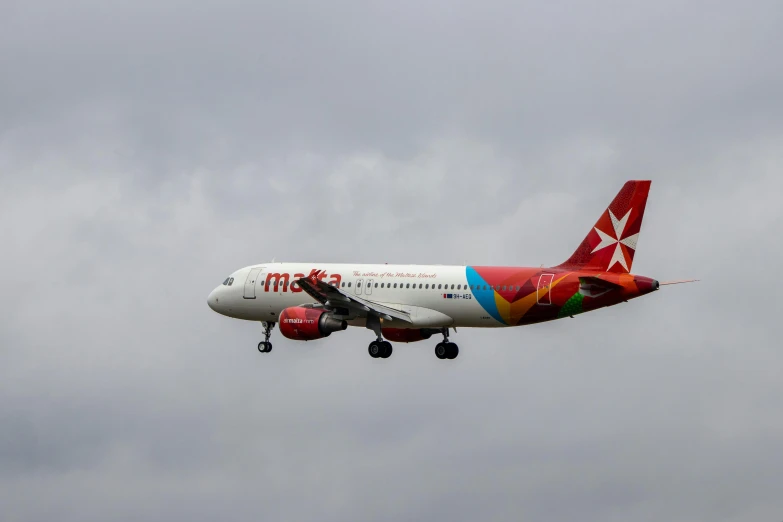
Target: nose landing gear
[265,346]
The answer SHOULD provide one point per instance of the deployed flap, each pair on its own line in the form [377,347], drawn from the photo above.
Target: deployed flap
[332,297]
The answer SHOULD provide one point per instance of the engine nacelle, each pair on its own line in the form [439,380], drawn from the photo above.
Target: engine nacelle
[408,335]
[306,324]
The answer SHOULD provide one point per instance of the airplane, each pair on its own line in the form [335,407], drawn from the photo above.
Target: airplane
[410,303]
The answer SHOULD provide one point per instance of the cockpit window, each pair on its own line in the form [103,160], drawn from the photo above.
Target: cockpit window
[230,281]
[226,281]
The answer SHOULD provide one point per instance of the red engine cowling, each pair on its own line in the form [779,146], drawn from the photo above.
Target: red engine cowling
[306,324]
[408,335]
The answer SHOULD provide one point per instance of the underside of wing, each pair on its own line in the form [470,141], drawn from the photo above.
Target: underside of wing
[333,298]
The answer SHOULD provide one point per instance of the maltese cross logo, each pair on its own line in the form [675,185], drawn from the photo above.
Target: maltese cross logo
[608,241]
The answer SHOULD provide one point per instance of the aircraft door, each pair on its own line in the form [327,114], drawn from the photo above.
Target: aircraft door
[358,288]
[542,292]
[368,288]
[250,282]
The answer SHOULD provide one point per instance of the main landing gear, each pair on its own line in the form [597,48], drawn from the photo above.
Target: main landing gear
[443,350]
[265,346]
[446,349]
[380,348]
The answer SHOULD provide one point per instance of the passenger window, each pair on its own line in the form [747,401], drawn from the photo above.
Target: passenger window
[485,287]
[427,287]
[376,285]
[459,287]
[420,287]
[349,285]
[408,285]
[343,285]
[452,287]
[395,285]
[438,286]
[359,284]
[381,285]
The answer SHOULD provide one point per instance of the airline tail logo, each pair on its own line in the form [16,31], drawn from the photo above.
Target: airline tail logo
[615,239]
[611,244]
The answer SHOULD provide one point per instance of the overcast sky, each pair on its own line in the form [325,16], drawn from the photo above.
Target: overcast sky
[148,149]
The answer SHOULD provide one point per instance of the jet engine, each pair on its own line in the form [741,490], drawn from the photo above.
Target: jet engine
[306,324]
[408,335]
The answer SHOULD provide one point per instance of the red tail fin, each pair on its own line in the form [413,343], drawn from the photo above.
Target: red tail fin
[611,244]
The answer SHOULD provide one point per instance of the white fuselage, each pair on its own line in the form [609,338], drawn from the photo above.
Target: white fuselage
[433,295]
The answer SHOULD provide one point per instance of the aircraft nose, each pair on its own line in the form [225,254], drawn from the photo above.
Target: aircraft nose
[213,300]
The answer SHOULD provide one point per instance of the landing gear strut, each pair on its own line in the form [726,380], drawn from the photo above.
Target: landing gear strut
[265,346]
[446,349]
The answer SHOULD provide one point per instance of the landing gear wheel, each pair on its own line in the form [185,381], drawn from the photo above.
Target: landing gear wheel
[382,349]
[265,346]
[446,350]
[441,351]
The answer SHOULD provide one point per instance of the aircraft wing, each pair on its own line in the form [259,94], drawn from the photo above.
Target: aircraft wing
[333,297]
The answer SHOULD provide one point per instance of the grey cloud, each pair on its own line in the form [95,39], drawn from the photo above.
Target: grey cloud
[147,150]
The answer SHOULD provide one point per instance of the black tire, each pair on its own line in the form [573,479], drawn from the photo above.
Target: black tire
[262,347]
[441,350]
[268,347]
[453,351]
[386,349]
[374,350]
